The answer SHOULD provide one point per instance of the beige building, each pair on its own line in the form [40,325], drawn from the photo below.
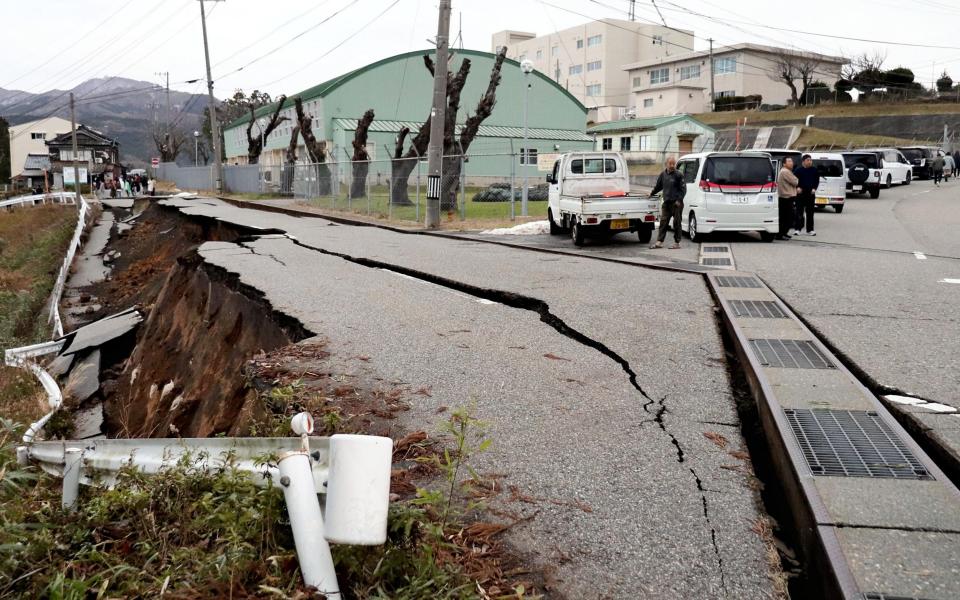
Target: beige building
[31,138]
[673,85]
[588,59]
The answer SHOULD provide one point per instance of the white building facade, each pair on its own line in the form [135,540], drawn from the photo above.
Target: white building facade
[681,84]
[31,138]
[588,60]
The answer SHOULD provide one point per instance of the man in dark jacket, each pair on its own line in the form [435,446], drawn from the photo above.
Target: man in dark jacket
[808,179]
[674,189]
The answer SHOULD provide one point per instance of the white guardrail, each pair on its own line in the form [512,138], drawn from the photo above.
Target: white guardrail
[32,199]
[353,471]
[65,269]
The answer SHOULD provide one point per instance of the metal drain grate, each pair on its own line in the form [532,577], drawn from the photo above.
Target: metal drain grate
[716,262]
[790,354]
[740,282]
[757,309]
[852,443]
[716,249]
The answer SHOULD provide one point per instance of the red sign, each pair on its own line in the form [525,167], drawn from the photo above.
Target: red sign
[155,162]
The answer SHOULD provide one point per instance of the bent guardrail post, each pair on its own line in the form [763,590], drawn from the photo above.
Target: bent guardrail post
[72,464]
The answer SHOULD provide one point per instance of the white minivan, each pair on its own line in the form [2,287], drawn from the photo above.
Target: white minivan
[729,191]
[832,190]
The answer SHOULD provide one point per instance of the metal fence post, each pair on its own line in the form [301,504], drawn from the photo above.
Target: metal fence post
[72,461]
[306,521]
[389,187]
[463,188]
[513,167]
[418,184]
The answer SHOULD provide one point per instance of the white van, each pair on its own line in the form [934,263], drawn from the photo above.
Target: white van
[590,197]
[832,190]
[729,191]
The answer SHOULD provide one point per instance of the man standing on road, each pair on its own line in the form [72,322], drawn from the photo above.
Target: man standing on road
[787,191]
[808,180]
[674,189]
[937,169]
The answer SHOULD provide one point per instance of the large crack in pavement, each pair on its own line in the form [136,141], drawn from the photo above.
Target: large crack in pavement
[542,309]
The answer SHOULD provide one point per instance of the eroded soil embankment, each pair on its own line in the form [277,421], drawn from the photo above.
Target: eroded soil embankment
[184,376]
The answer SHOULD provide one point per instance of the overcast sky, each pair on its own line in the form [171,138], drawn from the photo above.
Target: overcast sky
[60,43]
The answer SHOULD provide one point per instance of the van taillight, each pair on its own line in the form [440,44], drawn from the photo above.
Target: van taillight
[705,186]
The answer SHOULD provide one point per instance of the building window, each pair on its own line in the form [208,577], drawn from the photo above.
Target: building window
[594,40]
[528,156]
[658,40]
[555,51]
[579,44]
[593,90]
[659,76]
[539,54]
[637,81]
[725,94]
[594,66]
[38,135]
[724,65]
[576,69]
[625,144]
[690,72]
[68,155]
[647,102]
[644,143]
[607,144]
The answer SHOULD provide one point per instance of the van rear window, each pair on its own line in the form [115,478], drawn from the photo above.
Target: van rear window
[738,170]
[829,168]
[579,166]
[869,160]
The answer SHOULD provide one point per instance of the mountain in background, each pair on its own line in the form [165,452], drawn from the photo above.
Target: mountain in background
[126,110]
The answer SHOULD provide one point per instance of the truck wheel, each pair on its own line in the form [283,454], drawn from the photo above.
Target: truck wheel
[838,208]
[695,236]
[889,181]
[766,236]
[554,228]
[875,192]
[576,233]
[645,233]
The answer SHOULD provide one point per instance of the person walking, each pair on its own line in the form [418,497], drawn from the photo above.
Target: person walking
[674,189]
[937,165]
[787,192]
[150,186]
[949,167]
[808,180]
[956,158]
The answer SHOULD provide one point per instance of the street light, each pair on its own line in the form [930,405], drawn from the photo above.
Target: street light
[196,148]
[526,67]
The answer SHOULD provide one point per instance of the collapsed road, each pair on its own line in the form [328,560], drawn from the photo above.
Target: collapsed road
[607,397]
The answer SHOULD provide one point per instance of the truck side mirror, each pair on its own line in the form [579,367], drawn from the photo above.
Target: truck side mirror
[550,179]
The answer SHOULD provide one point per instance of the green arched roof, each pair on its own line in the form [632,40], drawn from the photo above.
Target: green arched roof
[322,89]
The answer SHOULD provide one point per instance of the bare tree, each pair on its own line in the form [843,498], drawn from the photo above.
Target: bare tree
[316,149]
[864,64]
[168,143]
[789,67]
[255,142]
[290,162]
[361,158]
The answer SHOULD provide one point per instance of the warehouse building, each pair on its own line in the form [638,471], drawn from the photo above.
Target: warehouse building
[399,89]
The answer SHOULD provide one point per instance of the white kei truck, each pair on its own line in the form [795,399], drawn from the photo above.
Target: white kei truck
[590,197]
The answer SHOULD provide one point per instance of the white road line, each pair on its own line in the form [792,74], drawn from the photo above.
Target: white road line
[920,255]
[949,281]
[932,406]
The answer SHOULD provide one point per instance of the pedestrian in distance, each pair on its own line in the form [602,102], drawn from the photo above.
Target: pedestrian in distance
[674,188]
[150,186]
[787,192]
[949,167]
[808,180]
[938,164]
[956,158]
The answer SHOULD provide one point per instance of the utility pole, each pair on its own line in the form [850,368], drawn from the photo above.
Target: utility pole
[212,106]
[437,118]
[167,75]
[713,94]
[76,169]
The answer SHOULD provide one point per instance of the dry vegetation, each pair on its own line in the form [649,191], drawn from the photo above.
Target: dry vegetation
[828,110]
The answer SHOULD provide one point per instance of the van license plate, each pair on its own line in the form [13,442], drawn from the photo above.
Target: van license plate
[740,199]
[823,201]
[620,224]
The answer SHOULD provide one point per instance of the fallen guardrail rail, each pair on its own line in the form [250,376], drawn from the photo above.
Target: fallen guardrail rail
[20,357]
[34,199]
[352,471]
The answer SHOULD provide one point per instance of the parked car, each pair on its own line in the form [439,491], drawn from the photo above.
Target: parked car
[590,197]
[920,158]
[895,168]
[730,191]
[863,173]
[832,190]
[779,155]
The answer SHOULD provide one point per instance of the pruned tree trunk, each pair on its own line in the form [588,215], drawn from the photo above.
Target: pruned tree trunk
[255,143]
[453,166]
[290,163]
[316,150]
[361,158]
[400,169]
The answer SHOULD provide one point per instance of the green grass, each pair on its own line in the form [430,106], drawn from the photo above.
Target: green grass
[814,138]
[830,110]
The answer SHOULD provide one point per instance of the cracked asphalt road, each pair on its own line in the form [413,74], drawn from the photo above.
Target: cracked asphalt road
[598,381]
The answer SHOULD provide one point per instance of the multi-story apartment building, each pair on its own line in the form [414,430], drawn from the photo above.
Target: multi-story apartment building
[31,139]
[677,84]
[588,59]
